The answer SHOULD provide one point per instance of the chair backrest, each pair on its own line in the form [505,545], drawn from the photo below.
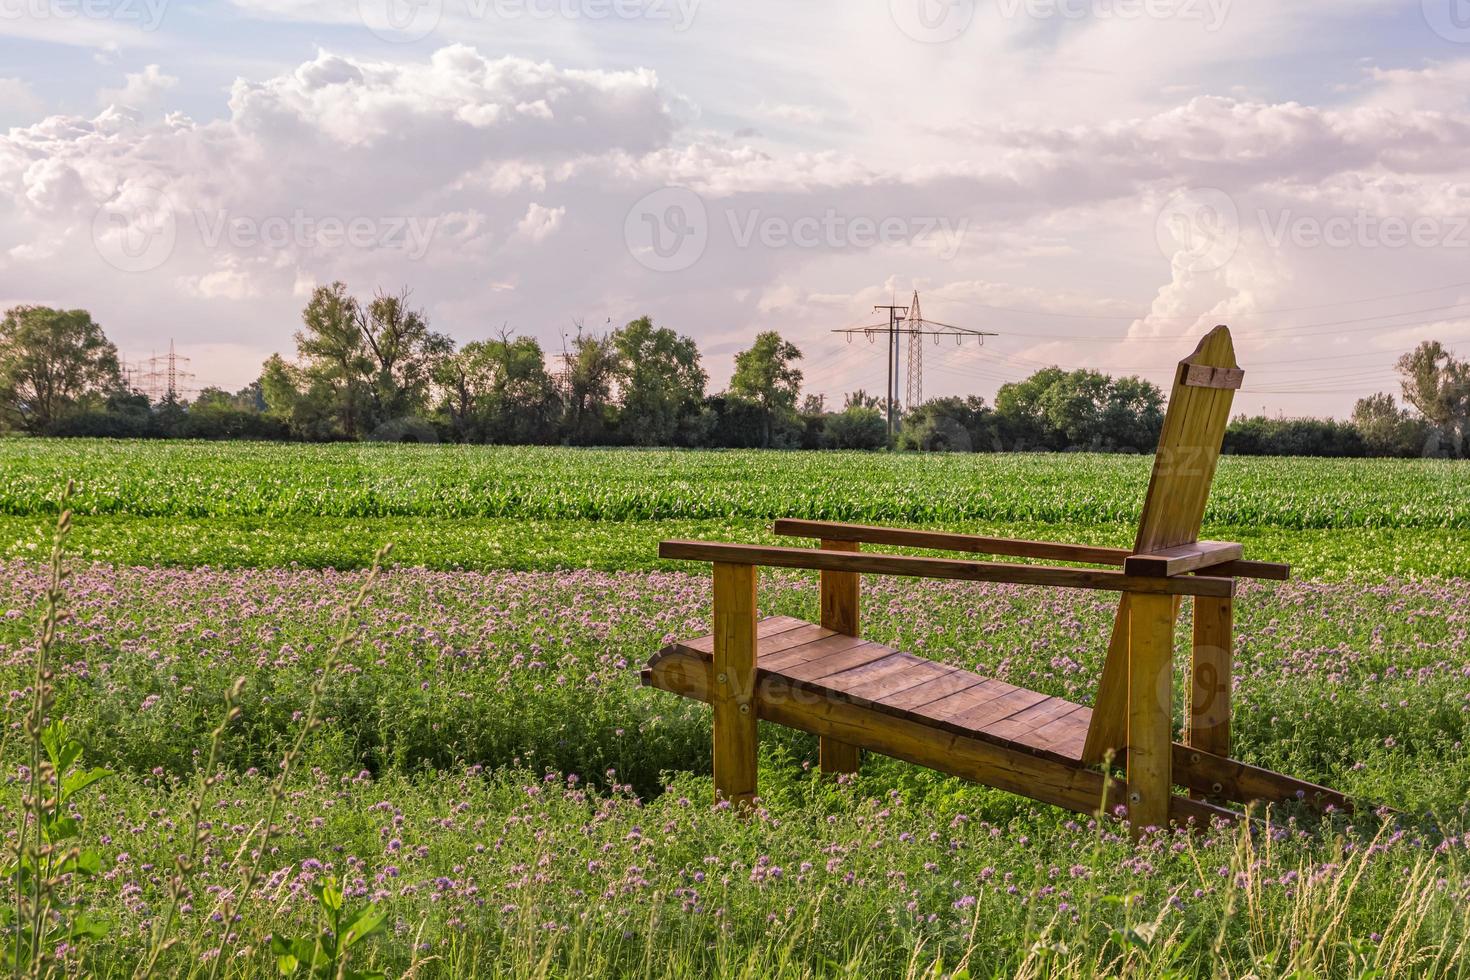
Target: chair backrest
[1174,507]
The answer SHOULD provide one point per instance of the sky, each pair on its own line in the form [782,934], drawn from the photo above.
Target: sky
[1096,182]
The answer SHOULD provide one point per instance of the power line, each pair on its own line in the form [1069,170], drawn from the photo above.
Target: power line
[1196,316]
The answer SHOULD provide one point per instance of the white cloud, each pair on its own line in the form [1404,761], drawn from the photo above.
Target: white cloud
[540,223]
[478,156]
[140,89]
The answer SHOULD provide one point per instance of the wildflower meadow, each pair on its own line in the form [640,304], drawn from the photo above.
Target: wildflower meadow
[226,759]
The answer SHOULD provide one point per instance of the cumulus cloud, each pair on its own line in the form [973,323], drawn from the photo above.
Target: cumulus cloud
[140,88]
[442,170]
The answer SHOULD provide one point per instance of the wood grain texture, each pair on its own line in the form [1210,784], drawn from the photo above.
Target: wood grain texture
[733,660]
[1065,784]
[905,537]
[839,602]
[925,693]
[1173,509]
[1183,558]
[1211,657]
[1150,710]
[943,568]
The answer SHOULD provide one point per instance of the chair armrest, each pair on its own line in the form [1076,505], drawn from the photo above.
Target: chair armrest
[1183,558]
[946,568]
[1086,554]
[949,541]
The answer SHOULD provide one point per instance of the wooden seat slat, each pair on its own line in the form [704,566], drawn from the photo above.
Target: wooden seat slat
[915,673]
[922,695]
[820,667]
[825,646]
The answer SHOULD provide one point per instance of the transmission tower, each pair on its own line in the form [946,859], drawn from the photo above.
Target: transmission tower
[163,374]
[916,356]
[908,320]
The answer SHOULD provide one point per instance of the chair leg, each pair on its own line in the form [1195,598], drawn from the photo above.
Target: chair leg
[1210,670]
[1150,710]
[839,603]
[734,694]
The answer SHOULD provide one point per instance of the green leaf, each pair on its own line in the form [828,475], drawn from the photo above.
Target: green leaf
[329,895]
[362,925]
[61,828]
[86,926]
[80,779]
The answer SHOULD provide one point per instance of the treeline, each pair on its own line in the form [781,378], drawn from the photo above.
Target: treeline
[374,370]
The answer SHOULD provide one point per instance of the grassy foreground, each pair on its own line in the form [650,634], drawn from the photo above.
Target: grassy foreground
[477,775]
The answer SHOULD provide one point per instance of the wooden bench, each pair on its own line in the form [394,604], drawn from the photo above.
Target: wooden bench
[856,694]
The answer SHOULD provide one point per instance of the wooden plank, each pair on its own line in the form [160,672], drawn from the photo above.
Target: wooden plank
[904,537]
[824,646]
[1208,726]
[1019,726]
[1063,735]
[765,629]
[943,568]
[1173,510]
[978,544]
[820,667]
[1213,776]
[1067,785]
[733,662]
[981,716]
[878,671]
[1183,558]
[839,605]
[1204,376]
[919,671]
[945,710]
[925,694]
[1150,710]
[839,592]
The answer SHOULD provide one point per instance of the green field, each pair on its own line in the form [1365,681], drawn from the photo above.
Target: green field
[265,505]
[489,776]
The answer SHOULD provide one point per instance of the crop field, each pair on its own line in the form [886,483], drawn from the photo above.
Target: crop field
[465,759]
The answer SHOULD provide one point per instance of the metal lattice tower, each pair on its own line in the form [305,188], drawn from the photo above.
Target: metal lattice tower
[161,378]
[908,320]
[916,356]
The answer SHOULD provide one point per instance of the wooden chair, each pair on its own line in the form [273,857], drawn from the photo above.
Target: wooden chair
[822,678]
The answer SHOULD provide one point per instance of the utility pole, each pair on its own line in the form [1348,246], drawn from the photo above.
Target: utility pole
[908,321]
[891,397]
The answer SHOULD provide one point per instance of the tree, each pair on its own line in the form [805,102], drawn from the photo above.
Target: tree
[660,379]
[589,370]
[1056,409]
[335,356]
[950,425]
[766,374]
[499,391]
[856,427]
[403,351]
[50,362]
[1438,386]
[1387,429]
